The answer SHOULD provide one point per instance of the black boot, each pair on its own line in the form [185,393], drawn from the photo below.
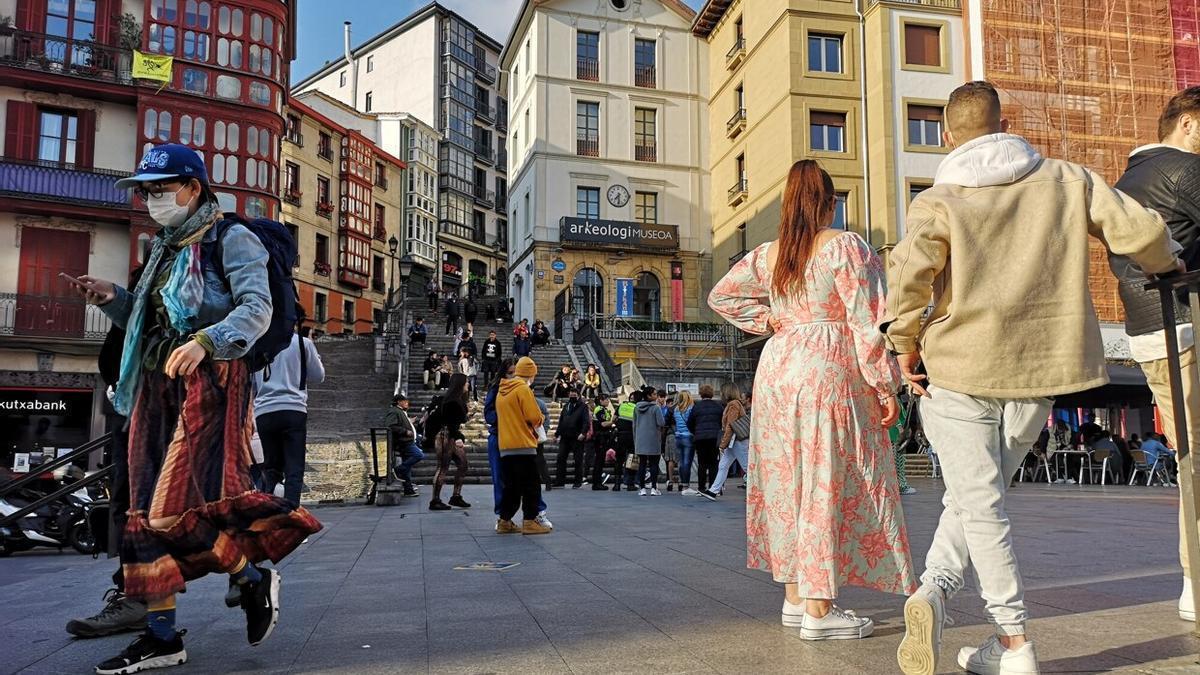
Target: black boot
[438,505]
[458,501]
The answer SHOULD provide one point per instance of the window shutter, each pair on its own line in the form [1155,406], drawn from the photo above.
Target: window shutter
[31,15]
[828,118]
[922,45]
[925,113]
[20,134]
[85,138]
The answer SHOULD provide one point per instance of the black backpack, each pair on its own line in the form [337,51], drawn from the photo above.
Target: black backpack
[281,258]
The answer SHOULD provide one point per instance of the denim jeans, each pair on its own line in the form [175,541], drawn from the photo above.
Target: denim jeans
[406,459]
[284,439]
[683,444]
[980,443]
[737,450]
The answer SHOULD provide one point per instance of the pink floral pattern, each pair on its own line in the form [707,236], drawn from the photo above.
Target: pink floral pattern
[823,503]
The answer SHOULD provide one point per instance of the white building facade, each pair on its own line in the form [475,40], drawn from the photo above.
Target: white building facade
[609,208]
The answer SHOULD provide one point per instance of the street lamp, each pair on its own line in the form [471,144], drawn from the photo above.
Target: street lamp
[393,246]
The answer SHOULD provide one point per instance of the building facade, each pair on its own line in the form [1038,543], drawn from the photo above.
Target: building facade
[439,68]
[342,201]
[74,120]
[609,205]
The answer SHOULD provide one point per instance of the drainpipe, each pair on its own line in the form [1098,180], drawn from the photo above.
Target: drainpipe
[353,67]
[862,76]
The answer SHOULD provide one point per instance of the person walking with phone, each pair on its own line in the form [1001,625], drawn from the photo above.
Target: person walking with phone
[822,505]
[735,439]
[976,243]
[187,391]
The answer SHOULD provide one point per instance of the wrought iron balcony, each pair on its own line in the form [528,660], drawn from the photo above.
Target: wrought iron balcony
[461,231]
[325,153]
[485,196]
[485,111]
[736,124]
[65,56]
[325,209]
[645,76]
[739,192]
[646,153]
[587,147]
[502,161]
[294,137]
[484,71]
[736,54]
[485,154]
[51,181]
[47,316]
[587,69]
[292,196]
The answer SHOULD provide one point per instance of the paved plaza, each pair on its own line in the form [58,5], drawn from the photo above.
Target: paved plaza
[625,584]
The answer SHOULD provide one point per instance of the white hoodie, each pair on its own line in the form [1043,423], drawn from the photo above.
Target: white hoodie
[995,159]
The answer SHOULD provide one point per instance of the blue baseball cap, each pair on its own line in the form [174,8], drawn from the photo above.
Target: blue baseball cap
[169,160]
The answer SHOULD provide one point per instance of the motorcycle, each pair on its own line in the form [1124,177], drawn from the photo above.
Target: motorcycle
[56,525]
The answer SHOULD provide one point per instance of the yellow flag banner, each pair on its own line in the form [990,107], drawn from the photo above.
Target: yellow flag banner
[152,67]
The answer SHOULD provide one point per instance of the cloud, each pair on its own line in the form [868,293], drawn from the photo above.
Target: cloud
[494,17]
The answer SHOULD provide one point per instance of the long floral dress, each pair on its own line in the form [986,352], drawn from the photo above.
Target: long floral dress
[823,506]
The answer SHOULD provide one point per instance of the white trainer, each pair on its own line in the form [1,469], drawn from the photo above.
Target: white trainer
[655,492]
[924,619]
[1187,604]
[838,624]
[543,520]
[643,492]
[991,658]
[689,492]
[793,615]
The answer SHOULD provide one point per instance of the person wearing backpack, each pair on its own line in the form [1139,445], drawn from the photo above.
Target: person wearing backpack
[735,439]
[207,311]
[281,413]
[453,313]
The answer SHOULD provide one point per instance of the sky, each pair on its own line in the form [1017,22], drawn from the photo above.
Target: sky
[319,33]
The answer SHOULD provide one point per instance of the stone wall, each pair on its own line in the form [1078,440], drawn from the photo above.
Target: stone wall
[338,470]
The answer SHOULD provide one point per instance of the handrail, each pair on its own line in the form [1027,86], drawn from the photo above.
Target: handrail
[94,477]
[586,333]
[90,446]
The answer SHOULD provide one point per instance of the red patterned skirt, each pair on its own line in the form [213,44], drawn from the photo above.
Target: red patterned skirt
[189,457]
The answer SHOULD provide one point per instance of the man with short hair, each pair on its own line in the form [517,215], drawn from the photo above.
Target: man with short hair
[574,422]
[403,437]
[453,313]
[1165,176]
[418,332]
[490,360]
[705,425]
[431,291]
[1006,332]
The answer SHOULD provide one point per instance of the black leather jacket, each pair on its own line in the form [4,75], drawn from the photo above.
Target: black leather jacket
[1167,180]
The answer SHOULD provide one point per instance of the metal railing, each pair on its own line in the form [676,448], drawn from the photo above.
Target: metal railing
[738,50]
[63,317]
[484,195]
[737,121]
[739,189]
[65,56]
[646,153]
[502,160]
[486,72]
[37,472]
[587,147]
[462,231]
[645,76]
[587,69]
[485,154]
[33,179]
[295,138]
[325,153]
[484,110]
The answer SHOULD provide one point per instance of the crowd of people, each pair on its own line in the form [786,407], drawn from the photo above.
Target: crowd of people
[1069,457]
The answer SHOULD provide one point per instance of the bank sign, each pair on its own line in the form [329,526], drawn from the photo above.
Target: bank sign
[620,232]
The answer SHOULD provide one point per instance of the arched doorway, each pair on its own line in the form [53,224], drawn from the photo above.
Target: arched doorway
[502,282]
[477,276]
[647,296]
[587,292]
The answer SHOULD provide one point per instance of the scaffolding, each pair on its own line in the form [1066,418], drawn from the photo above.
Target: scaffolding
[1085,81]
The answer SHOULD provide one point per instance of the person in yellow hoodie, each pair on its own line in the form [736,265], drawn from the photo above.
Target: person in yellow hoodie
[518,419]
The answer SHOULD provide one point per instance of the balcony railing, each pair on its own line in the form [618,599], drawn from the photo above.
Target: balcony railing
[646,153]
[321,268]
[380,232]
[645,76]
[381,182]
[325,153]
[62,317]
[739,191]
[587,69]
[502,160]
[485,111]
[485,154]
[736,124]
[484,71]
[295,138]
[585,147]
[65,56]
[463,231]
[51,181]
[735,55]
[292,196]
[733,259]
[485,196]
[325,209]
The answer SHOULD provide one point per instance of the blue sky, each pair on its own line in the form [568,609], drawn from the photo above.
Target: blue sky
[319,33]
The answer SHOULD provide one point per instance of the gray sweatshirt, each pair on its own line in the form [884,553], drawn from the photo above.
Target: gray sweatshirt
[648,421]
[278,385]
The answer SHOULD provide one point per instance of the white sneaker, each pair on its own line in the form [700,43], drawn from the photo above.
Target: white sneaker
[654,492]
[1071,481]
[544,521]
[991,658]
[793,615]
[910,490]
[924,619]
[838,624]
[1061,481]
[689,492]
[643,492]
[1187,604]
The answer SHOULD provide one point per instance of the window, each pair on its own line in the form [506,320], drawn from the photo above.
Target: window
[587,203]
[740,168]
[347,316]
[342,79]
[743,238]
[381,175]
[58,133]
[324,145]
[370,99]
[828,131]
[925,125]
[839,210]
[587,292]
[77,19]
[322,249]
[587,128]
[922,45]
[915,189]
[644,63]
[320,308]
[646,296]
[291,180]
[371,63]
[377,268]
[645,207]
[323,191]
[294,230]
[529,131]
[587,56]
[825,53]
[380,222]
[645,123]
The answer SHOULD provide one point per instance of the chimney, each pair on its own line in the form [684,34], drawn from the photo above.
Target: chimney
[353,67]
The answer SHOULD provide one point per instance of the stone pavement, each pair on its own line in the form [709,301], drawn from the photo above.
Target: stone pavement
[625,584]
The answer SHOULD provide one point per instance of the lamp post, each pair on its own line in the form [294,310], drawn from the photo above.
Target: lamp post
[393,246]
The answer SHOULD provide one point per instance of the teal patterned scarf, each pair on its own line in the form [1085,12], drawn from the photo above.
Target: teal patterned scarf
[181,296]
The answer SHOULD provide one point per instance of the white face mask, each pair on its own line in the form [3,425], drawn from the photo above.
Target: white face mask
[165,211]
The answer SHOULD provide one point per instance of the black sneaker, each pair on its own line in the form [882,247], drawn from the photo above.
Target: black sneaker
[616,488]
[260,602]
[599,488]
[233,596]
[438,505]
[120,614]
[410,490]
[144,653]
[458,501]
[708,494]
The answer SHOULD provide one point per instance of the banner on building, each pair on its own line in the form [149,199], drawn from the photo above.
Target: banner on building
[676,291]
[152,67]
[620,233]
[624,297]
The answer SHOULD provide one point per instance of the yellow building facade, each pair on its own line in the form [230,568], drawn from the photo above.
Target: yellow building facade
[341,199]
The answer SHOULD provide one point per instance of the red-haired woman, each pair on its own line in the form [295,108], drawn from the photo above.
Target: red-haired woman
[823,507]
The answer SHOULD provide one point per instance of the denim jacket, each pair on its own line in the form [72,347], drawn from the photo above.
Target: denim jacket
[236,310]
